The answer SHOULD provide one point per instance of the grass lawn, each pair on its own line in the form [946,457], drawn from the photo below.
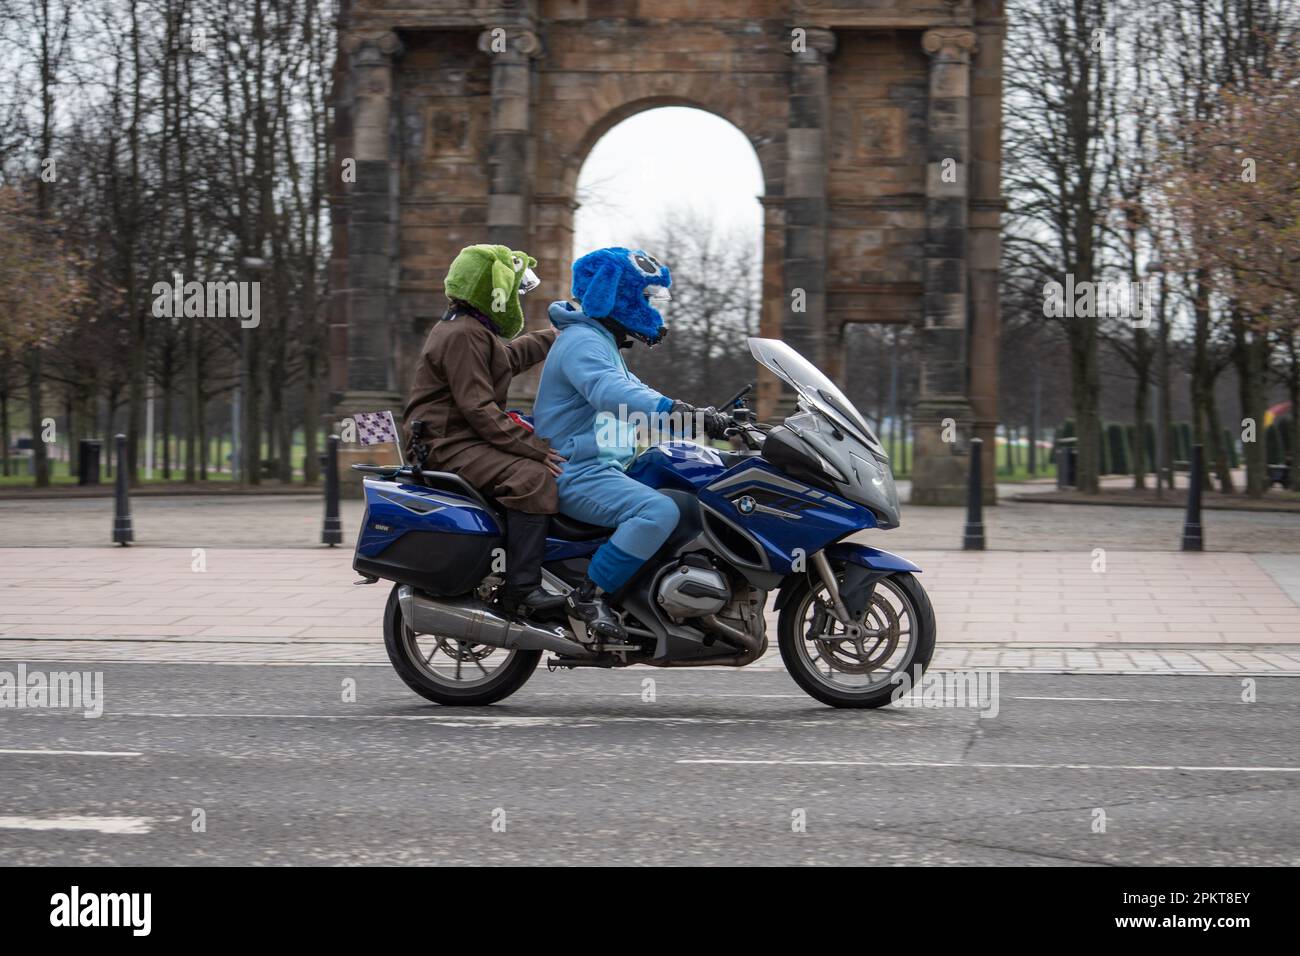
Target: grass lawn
[218,453]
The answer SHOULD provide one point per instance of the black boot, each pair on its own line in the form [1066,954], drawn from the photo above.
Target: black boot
[587,604]
[525,547]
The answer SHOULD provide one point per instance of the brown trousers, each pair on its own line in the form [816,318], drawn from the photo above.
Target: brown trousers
[520,484]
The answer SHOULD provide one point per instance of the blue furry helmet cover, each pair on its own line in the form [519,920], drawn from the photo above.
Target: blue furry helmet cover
[611,283]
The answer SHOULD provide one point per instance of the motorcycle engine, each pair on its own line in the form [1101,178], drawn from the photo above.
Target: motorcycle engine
[693,589]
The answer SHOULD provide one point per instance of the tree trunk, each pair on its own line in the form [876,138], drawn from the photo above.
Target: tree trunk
[138,342]
[1140,434]
[1293,393]
[1250,355]
[202,418]
[1215,448]
[1085,392]
[167,421]
[311,414]
[4,432]
[40,454]
[1201,389]
[70,424]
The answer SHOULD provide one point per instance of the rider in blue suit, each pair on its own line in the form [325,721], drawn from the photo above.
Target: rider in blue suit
[588,403]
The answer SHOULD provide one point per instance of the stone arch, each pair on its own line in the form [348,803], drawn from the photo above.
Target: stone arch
[573,132]
[772,164]
[567,168]
[469,121]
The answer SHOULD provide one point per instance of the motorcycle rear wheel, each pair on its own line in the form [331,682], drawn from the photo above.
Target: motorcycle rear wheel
[462,679]
[900,636]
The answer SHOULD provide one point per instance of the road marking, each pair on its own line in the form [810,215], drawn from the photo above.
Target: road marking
[1115,700]
[673,694]
[988,766]
[76,753]
[880,719]
[130,825]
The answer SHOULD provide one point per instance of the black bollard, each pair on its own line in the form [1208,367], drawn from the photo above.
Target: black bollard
[1192,537]
[332,531]
[973,537]
[122,533]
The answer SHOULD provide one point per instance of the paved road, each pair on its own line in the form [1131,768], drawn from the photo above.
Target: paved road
[713,771]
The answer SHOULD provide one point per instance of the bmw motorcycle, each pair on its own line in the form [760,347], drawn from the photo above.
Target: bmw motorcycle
[772,517]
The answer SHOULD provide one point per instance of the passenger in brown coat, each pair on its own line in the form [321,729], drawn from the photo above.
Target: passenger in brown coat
[459,394]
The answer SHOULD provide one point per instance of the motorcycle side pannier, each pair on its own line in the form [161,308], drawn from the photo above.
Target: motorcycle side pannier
[439,541]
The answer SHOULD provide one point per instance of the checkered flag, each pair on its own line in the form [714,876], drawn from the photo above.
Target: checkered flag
[376,428]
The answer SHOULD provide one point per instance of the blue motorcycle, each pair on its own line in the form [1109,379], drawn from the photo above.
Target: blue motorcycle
[774,516]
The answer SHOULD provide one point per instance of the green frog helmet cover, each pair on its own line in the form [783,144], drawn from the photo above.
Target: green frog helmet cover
[620,285]
[488,278]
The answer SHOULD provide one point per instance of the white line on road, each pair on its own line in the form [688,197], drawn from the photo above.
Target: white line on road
[988,766]
[129,825]
[880,718]
[76,753]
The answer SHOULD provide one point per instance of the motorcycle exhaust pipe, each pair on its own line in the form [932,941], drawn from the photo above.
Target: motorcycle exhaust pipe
[469,619]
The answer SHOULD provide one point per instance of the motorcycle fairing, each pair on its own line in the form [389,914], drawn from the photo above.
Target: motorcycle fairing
[872,558]
[677,464]
[872,562]
[787,518]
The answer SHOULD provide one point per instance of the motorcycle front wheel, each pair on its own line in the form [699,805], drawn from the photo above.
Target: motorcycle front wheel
[857,667]
[450,672]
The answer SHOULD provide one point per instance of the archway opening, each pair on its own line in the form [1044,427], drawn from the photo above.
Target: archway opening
[686,186]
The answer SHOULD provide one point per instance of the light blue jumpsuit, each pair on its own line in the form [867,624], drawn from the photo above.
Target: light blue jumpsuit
[584,401]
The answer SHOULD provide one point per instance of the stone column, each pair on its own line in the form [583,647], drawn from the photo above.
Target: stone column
[804,204]
[986,206]
[371,264]
[943,415]
[511,51]
[775,303]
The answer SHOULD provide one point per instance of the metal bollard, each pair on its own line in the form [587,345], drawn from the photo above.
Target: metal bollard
[1193,539]
[973,536]
[332,530]
[122,533]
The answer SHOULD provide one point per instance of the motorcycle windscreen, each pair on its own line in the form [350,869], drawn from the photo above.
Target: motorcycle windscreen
[814,387]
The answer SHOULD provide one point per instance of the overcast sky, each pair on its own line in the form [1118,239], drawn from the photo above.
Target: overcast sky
[658,159]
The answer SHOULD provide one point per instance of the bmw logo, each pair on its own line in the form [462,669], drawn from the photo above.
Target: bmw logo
[745,505]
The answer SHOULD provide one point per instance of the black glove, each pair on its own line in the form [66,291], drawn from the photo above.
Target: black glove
[715,423]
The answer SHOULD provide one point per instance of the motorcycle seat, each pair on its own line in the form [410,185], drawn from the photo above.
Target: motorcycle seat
[561,526]
[571,529]
[450,481]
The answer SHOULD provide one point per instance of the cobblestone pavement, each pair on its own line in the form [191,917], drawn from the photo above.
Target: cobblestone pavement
[279,521]
[1147,612]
